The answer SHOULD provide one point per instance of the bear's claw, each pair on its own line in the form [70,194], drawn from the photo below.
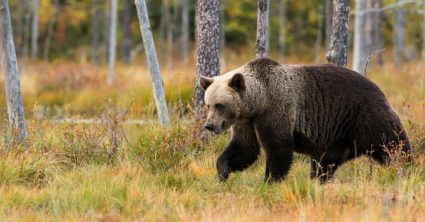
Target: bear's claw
[222,177]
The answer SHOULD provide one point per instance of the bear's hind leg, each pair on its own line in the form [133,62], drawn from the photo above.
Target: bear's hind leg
[380,156]
[242,151]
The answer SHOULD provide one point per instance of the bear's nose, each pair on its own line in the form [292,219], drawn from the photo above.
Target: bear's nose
[209,126]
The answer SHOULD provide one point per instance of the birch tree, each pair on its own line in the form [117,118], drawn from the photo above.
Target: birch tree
[369,25]
[96,31]
[34,37]
[359,51]
[207,46]
[107,27]
[399,30]
[377,33]
[112,41]
[337,53]
[328,14]
[168,32]
[185,31]
[149,45]
[262,42]
[27,29]
[128,35]
[282,26]
[15,108]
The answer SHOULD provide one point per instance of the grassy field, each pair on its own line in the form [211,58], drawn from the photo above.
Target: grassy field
[112,171]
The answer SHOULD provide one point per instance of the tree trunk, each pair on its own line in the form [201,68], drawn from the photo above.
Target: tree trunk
[369,25]
[20,28]
[399,38]
[329,13]
[158,85]
[128,34]
[112,41]
[50,30]
[207,46]
[222,37]
[262,43]
[34,38]
[27,29]
[282,26]
[360,54]
[378,35]
[185,31]
[107,27]
[9,62]
[96,32]
[168,33]
[319,37]
[337,53]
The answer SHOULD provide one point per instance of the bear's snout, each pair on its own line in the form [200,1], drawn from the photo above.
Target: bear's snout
[213,128]
[209,126]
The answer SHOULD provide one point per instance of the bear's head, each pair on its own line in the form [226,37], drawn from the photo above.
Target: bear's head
[223,98]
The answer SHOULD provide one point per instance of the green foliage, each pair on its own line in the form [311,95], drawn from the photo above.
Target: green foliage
[73,29]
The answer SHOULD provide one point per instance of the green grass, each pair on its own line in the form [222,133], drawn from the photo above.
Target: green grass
[70,172]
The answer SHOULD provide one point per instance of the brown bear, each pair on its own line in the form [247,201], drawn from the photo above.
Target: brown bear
[328,112]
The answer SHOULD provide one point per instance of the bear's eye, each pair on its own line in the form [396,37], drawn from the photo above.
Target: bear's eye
[219,106]
[208,106]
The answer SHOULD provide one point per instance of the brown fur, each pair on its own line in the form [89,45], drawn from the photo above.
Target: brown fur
[325,111]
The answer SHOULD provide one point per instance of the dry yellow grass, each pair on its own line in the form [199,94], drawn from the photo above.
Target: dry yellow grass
[167,174]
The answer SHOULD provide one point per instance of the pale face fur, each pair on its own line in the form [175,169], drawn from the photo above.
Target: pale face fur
[223,100]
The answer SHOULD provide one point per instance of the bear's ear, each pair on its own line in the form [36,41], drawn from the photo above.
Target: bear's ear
[205,81]
[237,82]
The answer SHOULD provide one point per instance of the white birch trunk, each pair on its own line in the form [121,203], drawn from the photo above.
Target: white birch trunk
[95,32]
[359,51]
[378,35]
[15,108]
[158,85]
[168,33]
[262,43]
[34,37]
[185,31]
[399,37]
[128,34]
[112,41]
[328,14]
[337,53]
[207,46]
[369,25]
[27,28]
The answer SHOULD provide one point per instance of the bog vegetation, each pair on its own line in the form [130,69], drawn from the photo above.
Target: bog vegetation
[115,169]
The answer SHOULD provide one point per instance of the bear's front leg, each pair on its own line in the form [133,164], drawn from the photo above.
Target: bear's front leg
[278,162]
[278,145]
[242,151]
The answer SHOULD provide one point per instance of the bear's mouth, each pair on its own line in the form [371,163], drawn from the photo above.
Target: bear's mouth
[220,129]
[217,131]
